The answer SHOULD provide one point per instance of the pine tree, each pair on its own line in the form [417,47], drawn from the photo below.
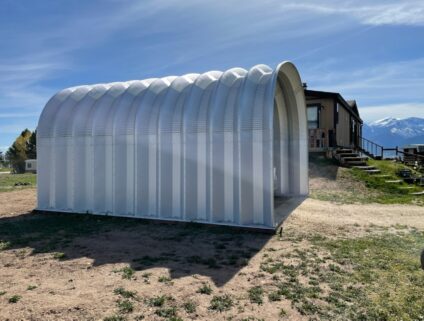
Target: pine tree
[31,146]
[16,154]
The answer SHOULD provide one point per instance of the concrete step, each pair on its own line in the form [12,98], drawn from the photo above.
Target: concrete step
[364,167]
[406,187]
[372,171]
[417,193]
[394,181]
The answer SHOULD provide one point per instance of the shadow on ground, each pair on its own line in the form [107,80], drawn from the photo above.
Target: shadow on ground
[321,167]
[184,248]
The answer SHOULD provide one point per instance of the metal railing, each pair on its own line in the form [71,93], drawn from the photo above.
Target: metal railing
[375,150]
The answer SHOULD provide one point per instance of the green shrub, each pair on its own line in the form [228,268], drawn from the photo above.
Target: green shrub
[15,298]
[255,295]
[205,289]
[221,303]
[125,306]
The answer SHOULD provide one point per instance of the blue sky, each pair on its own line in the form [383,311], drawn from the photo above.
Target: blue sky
[371,51]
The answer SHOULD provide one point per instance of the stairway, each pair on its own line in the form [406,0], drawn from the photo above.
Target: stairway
[350,158]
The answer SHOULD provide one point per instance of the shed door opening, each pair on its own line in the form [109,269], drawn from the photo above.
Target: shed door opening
[285,140]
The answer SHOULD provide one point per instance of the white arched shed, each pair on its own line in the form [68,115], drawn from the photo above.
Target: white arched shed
[215,148]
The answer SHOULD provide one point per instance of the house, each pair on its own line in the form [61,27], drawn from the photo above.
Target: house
[31,166]
[216,148]
[332,121]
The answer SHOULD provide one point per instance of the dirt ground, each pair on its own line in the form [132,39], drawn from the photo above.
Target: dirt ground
[80,285]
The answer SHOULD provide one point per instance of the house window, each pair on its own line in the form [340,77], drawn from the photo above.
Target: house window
[29,165]
[313,119]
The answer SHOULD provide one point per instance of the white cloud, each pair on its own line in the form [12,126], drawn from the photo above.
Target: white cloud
[375,13]
[382,90]
[398,82]
[373,113]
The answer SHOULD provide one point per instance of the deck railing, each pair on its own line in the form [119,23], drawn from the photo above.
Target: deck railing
[318,138]
[375,150]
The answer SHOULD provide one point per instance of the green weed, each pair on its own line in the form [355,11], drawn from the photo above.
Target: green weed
[221,303]
[256,295]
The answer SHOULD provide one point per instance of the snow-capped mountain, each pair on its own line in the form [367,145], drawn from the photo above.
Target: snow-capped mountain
[391,132]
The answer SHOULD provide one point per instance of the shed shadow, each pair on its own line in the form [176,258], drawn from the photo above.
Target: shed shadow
[218,252]
[184,248]
[322,168]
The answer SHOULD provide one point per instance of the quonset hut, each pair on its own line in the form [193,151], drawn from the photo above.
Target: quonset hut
[216,148]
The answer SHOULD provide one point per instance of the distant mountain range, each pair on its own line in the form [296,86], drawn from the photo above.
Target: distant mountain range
[391,132]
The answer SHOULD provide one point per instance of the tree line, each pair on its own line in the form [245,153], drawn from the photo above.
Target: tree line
[23,148]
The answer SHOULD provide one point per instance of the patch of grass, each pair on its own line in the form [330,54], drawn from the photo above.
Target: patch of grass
[127,272]
[256,295]
[164,279]
[125,294]
[125,306]
[2,293]
[166,312]
[31,287]
[59,256]
[115,317]
[146,275]
[15,298]
[157,301]
[205,289]
[274,296]
[390,260]
[282,313]
[4,245]
[189,307]
[9,182]
[375,277]
[307,308]
[221,303]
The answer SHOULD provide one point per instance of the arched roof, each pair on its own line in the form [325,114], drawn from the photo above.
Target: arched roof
[199,147]
[233,100]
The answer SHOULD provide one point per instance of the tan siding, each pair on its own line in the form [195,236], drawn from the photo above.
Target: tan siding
[343,127]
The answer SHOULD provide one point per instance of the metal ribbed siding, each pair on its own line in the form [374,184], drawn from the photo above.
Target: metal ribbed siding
[191,148]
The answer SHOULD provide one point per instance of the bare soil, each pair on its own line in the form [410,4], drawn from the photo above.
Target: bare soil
[80,285]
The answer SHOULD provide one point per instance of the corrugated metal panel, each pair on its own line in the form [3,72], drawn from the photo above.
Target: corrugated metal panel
[211,148]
